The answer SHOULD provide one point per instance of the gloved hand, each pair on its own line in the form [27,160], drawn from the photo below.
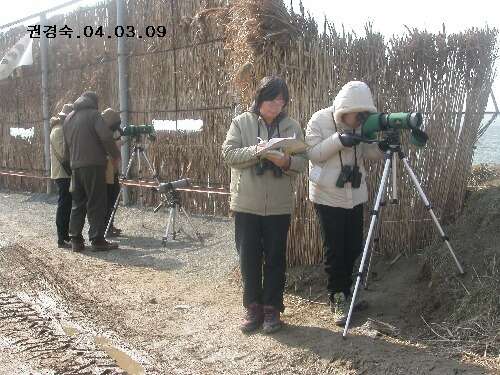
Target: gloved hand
[349,140]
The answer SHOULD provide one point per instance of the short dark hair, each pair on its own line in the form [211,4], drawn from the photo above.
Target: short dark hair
[268,89]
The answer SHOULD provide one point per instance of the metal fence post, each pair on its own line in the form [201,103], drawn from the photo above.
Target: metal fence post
[123,88]
[45,100]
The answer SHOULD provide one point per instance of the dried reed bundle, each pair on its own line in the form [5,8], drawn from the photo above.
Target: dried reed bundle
[213,55]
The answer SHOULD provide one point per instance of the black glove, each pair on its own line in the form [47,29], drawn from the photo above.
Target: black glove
[383,146]
[115,127]
[349,140]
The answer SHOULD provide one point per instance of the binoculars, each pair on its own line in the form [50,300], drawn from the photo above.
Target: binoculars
[264,165]
[349,174]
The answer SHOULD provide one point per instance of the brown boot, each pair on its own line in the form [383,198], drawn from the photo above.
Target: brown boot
[272,322]
[102,245]
[253,318]
[77,244]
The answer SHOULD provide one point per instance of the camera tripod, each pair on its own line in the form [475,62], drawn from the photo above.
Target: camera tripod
[172,200]
[394,150]
[137,153]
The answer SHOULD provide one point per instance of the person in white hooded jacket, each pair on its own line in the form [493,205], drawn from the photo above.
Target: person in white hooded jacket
[332,148]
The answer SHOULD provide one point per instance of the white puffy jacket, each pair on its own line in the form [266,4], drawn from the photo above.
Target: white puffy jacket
[324,147]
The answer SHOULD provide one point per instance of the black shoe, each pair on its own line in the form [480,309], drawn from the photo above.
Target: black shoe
[103,245]
[114,232]
[64,244]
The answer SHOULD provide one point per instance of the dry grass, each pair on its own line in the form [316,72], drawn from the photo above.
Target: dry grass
[482,173]
[254,26]
[467,308]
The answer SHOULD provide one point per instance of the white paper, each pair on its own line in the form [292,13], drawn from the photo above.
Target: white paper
[289,145]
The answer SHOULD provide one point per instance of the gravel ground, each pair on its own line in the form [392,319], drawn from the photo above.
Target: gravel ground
[176,309]
[142,240]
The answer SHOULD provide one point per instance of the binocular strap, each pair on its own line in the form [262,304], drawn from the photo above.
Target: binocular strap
[340,152]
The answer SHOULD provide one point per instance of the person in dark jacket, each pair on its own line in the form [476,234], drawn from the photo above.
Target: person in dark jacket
[88,142]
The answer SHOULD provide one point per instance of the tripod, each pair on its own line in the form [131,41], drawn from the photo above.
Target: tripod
[172,200]
[138,152]
[394,149]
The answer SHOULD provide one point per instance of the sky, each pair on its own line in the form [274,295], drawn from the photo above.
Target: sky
[388,16]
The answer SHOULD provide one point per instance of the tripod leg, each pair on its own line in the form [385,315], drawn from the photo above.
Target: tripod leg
[375,213]
[193,228]
[174,217]
[375,246]
[154,175]
[394,167]
[394,200]
[150,167]
[169,223]
[139,178]
[444,237]
[117,201]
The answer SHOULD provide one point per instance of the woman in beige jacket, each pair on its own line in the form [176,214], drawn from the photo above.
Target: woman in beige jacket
[61,174]
[337,185]
[112,120]
[261,198]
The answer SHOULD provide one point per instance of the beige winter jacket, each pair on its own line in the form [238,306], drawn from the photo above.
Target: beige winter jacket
[250,193]
[57,147]
[325,145]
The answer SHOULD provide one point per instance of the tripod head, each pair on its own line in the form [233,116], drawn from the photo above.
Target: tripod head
[169,199]
[170,196]
[138,134]
[391,140]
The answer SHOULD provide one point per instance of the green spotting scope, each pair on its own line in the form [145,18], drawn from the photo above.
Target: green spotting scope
[412,121]
[137,130]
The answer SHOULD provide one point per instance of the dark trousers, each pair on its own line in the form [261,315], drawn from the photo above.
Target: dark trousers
[342,235]
[63,211]
[112,191]
[261,245]
[89,199]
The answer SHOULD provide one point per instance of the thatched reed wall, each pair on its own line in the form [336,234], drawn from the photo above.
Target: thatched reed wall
[211,59]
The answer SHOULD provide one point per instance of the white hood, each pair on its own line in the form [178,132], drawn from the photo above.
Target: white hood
[355,96]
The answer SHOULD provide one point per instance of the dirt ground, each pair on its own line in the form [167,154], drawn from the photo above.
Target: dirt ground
[150,309]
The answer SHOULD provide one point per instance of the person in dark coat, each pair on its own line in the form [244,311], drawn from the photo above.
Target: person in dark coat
[89,141]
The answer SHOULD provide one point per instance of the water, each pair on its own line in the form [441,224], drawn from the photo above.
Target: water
[488,146]
[122,359]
